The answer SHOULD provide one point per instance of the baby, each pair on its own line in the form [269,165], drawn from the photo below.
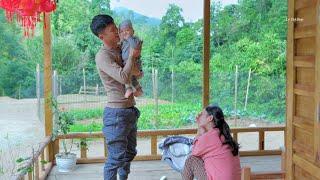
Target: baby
[128,41]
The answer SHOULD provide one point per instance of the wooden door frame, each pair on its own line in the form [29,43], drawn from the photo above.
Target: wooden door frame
[290,96]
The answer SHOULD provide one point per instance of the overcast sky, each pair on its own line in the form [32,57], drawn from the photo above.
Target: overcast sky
[192,9]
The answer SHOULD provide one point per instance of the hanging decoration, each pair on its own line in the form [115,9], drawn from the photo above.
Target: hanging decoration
[27,12]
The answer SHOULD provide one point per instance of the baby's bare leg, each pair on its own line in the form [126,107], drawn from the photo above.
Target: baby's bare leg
[138,89]
[129,90]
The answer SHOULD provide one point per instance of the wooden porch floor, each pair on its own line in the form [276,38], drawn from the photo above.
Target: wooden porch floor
[154,170]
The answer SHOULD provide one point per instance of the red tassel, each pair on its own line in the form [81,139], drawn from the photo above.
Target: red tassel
[27,12]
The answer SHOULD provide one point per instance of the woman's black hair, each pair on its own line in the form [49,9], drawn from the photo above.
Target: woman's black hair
[99,23]
[221,124]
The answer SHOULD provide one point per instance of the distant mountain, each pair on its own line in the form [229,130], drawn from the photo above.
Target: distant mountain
[137,18]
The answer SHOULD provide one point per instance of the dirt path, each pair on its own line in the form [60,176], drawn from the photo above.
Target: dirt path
[19,121]
[20,130]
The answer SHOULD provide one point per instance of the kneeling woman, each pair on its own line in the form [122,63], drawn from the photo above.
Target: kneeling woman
[215,155]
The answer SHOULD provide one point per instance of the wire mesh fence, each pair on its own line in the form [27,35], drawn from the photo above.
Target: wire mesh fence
[172,99]
[250,97]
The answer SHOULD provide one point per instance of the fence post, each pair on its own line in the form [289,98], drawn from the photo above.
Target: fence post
[60,83]
[172,86]
[155,93]
[97,89]
[235,94]
[55,96]
[84,85]
[55,84]
[153,88]
[247,93]
[156,80]
[19,91]
[38,91]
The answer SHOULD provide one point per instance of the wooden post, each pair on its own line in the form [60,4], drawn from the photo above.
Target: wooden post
[261,140]
[48,81]
[316,147]
[36,169]
[157,90]
[153,145]
[55,97]
[172,76]
[32,165]
[206,53]
[289,88]
[246,173]
[172,85]
[55,84]
[42,161]
[60,83]
[56,146]
[247,93]
[38,92]
[283,159]
[84,85]
[83,148]
[155,94]
[235,95]
[19,92]
[153,82]
[29,175]
[235,136]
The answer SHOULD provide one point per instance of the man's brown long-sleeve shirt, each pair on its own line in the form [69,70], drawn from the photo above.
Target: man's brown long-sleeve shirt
[113,76]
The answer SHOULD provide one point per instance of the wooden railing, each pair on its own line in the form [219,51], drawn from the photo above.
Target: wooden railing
[154,134]
[38,166]
[246,173]
[40,170]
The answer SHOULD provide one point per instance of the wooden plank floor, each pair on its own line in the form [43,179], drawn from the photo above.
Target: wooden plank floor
[154,170]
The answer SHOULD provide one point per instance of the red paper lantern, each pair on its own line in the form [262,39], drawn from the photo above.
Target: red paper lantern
[28,8]
[47,6]
[27,15]
[27,12]
[10,7]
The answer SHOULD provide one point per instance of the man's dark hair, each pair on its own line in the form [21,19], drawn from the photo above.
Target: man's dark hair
[99,22]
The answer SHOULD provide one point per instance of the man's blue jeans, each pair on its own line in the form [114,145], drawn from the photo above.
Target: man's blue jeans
[120,130]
